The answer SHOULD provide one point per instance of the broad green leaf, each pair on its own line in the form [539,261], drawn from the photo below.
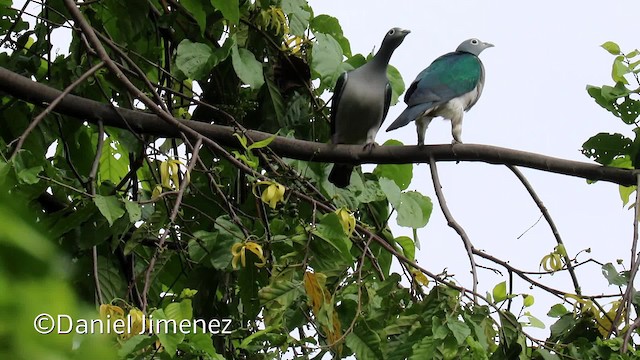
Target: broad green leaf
[459,329]
[135,343]
[169,339]
[545,354]
[30,175]
[298,13]
[114,162]
[213,248]
[611,47]
[179,310]
[397,84]
[230,9]
[414,210]
[534,321]
[408,246]
[329,25]
[283,292]
[604,147]
[619,70]
[401,174]
[197,9]
[625,193]
[612,275]
[202,342]
[391,190]
[248,69]
[193,59]
[500,292]
[330,229]
[110,207]
[365,343]
[326,59]
[275,100]
[134,209]
[557,311]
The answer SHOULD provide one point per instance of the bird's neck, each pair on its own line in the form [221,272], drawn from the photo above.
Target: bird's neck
[382,57]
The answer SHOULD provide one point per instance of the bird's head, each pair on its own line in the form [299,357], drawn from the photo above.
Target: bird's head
[473,46]
[394,37]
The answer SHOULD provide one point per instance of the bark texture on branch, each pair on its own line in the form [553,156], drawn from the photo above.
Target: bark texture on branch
[93,111]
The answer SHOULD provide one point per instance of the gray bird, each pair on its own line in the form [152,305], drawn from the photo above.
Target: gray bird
[451,85]
[361,100]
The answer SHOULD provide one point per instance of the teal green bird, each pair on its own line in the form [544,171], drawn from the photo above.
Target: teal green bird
[451,85]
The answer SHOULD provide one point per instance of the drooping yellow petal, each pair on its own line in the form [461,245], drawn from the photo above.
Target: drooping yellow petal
[236,251]
[347,220]
[165,178]
[256,249]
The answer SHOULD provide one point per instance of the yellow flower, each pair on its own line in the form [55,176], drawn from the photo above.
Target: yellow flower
[111,312]
[238,250]
[347,220]
[136,321]
[420,277]
[272,195]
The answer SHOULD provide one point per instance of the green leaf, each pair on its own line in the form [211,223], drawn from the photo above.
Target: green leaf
[326,59]
[604,147]
[298,13]
[391,191]
[194,59]
[612,275]
[330,229]
[248,69]
[534,321]
[557,311]
[414,210]
[171,338]
[230,9]
[135,343]
[134,209]
[179,310]
[197,9]
[545,354]
[401,174]
[459,329]
[365,343]
[611,47]
[331,26]
[619,70]
[625,193]
[211,248]
[110,207]
[408,246]
[262,143]
[283,292]
[397,85]
[500,292]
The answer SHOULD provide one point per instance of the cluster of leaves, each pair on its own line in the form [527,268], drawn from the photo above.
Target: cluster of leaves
[623,101]
[266,242]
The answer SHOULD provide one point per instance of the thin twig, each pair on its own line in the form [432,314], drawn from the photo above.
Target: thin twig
[453,223]
[172,218]
[552,225]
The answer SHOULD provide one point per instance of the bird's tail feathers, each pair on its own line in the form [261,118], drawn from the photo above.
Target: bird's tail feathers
[340,175]
[408,115]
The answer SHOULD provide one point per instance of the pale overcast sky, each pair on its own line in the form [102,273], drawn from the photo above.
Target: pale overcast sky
[534,99]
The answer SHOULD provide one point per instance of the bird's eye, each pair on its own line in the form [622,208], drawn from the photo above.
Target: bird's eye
[474,41]
[392,31]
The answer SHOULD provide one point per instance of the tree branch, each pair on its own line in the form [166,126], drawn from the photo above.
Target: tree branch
[88,110]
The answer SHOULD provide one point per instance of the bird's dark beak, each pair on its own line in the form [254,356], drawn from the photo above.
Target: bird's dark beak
[405,31]
[488,45]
